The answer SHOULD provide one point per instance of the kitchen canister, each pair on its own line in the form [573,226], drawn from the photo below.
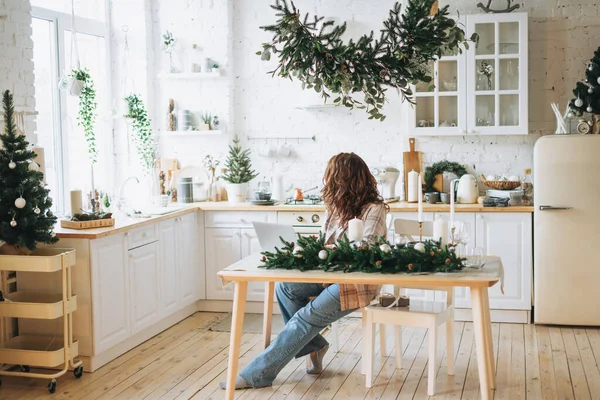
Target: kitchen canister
[184,120]
[185,190]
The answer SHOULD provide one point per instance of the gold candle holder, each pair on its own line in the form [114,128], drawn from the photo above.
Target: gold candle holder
[420,231]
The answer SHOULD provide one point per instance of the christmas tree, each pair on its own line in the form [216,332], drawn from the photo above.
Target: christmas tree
[238,164]
[587,94]
[25,216]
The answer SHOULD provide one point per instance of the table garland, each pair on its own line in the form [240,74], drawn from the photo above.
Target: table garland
[310,253]
[441,167]
[313,52]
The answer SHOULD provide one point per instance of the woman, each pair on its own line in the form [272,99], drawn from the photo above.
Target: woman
[349,191]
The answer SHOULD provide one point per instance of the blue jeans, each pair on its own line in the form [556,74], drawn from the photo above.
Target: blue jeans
[304,320]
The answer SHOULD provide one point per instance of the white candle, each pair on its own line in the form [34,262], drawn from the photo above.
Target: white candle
[452,203]
[76,202]
[440,230]
[420,205]
[355,230]
[413,185]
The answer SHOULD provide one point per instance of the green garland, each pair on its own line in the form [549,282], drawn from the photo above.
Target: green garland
[345,256]
[441,167]
[87,110]
[141,125]
[314,53]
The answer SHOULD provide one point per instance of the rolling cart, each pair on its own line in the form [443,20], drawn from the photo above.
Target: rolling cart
[41,351]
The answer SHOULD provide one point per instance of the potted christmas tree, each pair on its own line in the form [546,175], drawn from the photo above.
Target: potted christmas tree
[239,173]
[25,215]
[587,97]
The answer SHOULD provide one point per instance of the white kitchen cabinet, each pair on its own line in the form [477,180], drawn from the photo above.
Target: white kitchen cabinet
[509,236]
[110,292]
[461,100]
[168,271]
[188,260]
[224,246]
[144,287]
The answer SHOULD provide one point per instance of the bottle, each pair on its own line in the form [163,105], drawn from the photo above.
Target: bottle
[216,190]
[527,186]
[223,186]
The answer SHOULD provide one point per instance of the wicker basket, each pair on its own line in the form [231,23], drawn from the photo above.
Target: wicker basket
[96,223]
[501,185]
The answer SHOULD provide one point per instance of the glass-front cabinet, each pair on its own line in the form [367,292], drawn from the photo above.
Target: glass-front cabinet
[482,91]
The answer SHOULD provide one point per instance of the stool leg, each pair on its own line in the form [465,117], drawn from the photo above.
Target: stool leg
[363,362]
[398,346]
[432,358]
[382,346]
[335,330]
[369,338]
[450,345]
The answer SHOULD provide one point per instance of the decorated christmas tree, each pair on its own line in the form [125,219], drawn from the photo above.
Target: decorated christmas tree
[25,216]
[239,167]
[587,94]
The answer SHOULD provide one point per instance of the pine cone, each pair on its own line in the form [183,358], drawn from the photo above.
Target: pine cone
[448,261]
[411,267]
[263,259]
[432,254]
[378,262]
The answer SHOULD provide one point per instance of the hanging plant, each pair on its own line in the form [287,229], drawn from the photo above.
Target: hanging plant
[314,53]
[87,109]
[143,132]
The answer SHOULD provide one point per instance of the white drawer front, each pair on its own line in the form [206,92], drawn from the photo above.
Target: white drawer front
[140,236]
[237,219]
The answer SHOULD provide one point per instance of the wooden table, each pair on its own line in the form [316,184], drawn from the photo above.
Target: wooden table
[247,270]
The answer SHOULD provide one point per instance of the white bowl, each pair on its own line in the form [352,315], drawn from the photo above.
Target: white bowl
[161,200]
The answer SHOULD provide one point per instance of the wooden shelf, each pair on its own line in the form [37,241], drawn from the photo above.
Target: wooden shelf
[191,133]
[190,75]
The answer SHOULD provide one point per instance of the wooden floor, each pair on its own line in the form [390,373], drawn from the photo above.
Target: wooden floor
[187,362]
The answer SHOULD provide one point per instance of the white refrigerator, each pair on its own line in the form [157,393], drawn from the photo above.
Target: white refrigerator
[566,185]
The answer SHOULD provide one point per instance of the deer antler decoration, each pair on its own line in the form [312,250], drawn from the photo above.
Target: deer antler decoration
[509,7]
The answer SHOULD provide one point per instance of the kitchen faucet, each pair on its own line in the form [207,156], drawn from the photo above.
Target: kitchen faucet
[121,200]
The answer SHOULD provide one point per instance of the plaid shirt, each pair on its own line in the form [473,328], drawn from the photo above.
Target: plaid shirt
[373,217]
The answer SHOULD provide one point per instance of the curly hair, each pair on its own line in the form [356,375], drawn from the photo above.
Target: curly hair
[348,187]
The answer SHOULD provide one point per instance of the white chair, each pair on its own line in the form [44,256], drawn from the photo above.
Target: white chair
[427,314]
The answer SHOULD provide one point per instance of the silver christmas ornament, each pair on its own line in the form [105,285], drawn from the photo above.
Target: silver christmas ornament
[591,67]
[13,223]
[37,210]
[589,109]
[298,251]
[323,254]
[33,166]
[598,80]
[590,90]
[578,102]
[571,114]
[386,248]
[420,247]
[12,165]
[20,202]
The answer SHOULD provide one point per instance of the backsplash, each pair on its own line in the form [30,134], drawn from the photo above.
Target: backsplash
[253,104]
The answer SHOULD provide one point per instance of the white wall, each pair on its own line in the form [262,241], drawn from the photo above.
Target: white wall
[563,35]
[16,54]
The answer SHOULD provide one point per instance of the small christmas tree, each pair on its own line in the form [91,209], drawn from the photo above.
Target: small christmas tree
[25,216]
[587,94]
[239,167]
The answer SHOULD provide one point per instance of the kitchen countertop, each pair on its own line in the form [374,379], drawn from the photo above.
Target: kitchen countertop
[123,224]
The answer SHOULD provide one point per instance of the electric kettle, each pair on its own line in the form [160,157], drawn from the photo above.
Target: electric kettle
[467,191]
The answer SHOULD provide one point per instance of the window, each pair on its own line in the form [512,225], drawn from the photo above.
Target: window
[67,163]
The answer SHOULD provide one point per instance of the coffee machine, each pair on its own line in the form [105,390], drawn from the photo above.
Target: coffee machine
[386,178]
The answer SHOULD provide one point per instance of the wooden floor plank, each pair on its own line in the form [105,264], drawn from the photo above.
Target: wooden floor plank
[416,372]
[594,338]
[504,365]
[561,366]
[532,372]
[576,371]
[471,391]
[546,360]
[592,372]
[461,362]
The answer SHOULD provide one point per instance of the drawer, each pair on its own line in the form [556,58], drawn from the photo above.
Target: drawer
[140,236]
[237,219]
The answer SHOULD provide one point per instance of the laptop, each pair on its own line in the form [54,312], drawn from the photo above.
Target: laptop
[268,235]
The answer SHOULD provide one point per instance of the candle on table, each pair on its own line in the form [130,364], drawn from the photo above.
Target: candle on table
[440,230]
[355,230]
[76,201]
[413,185]
[420,198]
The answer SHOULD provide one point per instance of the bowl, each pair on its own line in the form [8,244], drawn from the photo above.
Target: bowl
[262,195]
[161,200]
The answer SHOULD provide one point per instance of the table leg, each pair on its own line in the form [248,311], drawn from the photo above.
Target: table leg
[488,338]
[479,320]
[268,312]
[235,339]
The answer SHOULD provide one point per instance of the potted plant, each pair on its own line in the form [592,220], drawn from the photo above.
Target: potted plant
[215,68]
[239,173]
[26,218]
[76,81]
[206,118]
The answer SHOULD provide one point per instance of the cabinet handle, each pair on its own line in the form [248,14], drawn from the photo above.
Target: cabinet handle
[300,219]
[552,208]
[243,221]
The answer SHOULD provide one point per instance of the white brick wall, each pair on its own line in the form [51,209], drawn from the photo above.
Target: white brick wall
[562,33]
[16,53]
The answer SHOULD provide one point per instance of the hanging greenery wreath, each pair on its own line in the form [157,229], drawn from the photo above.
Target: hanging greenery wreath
[143,132]
[441,167]
[310,253]
[314,53]
[87,110]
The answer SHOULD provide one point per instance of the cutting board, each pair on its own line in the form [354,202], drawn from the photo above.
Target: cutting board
[412,161]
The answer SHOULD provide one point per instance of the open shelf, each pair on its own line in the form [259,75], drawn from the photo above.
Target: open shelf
[191,133]
[36,305]
[39,351]
[41,260]
[190,75]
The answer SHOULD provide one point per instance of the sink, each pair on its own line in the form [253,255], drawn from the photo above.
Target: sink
[159,210]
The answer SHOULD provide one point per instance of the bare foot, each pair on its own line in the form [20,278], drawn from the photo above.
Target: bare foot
[316,357]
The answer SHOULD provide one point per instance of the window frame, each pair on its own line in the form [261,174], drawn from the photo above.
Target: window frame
[63,22]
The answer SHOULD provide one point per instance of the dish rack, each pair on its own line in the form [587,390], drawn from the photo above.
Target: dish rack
[41,351]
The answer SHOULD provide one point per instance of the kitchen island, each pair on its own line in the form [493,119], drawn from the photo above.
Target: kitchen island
[143,275]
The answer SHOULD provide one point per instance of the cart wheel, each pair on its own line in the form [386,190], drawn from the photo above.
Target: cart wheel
[25,368]
[78,371]
[52,386]
[0,382]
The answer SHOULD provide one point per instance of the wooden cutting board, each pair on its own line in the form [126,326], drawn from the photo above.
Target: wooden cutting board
[412,161]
